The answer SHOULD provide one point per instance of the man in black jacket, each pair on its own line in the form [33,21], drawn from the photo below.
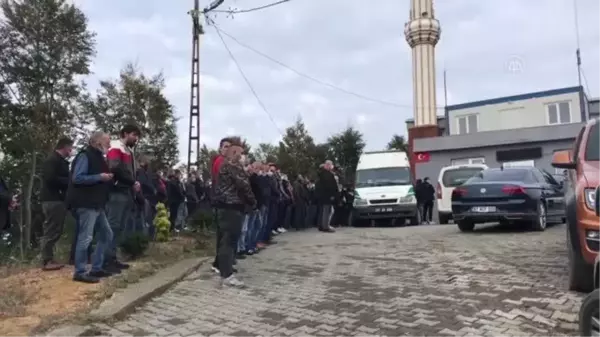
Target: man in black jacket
[428,198]
[175,199]
[87,195]
[55,181]
[327,193]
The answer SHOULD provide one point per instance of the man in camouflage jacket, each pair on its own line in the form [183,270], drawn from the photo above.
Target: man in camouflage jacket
[234,197]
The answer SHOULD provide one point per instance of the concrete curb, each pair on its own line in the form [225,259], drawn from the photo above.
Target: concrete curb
[123,301]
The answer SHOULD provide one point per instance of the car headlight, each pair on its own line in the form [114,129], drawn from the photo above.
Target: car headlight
[358,202]
[409,199]
[590,198]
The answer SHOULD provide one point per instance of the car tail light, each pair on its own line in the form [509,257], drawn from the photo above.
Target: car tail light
[513,189]
[460,191]
[438,191]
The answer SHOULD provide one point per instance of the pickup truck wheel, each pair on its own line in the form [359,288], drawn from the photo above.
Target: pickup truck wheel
[581,274]
[589,320]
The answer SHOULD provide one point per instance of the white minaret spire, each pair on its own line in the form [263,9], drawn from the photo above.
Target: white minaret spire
[422,33]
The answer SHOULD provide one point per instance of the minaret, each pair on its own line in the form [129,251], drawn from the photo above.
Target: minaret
[422,33]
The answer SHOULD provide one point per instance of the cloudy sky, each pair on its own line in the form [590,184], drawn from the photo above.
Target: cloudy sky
[356,45]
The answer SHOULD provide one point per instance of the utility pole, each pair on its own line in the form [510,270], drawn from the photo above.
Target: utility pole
[194,131]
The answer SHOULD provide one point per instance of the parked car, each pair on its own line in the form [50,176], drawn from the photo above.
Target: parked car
[505,195]
[583,236]
[589,313]
[450,177]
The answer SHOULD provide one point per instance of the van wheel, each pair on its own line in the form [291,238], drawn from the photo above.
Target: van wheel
[581,274]
[589,320]
[541,220]
[466,226]
[444,219]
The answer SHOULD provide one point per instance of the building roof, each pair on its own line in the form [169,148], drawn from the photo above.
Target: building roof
[514,98]
[498,138]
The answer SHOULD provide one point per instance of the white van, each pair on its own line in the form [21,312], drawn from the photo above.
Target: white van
[384,189]
[449,178]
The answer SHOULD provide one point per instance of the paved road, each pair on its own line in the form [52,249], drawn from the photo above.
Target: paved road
[426,280]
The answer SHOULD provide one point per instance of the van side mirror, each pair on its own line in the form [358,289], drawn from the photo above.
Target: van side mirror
[597,202]
[562,160]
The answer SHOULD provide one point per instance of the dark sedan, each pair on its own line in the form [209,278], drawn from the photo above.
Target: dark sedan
[524,195]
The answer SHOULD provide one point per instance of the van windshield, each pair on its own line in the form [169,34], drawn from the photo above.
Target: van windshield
[387,176]
[592,148]
[456,177]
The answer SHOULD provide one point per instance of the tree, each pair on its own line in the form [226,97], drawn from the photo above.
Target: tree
[44,46]
[266,153]
[205,163]
[346,148]
[296,150]
[397,143]
[137,99]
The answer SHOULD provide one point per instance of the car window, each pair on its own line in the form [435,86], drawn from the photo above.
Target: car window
[549,178]
[502,175]
[592,148]
[539,176]
[456,177]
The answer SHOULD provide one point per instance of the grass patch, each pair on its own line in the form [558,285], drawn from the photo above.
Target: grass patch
[40,301]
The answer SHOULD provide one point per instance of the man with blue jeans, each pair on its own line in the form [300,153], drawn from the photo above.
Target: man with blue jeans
[87,196]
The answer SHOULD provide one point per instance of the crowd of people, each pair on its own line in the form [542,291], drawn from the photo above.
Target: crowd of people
[254,202]
[112,192]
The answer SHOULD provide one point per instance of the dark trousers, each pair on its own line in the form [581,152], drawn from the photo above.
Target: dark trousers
[218,236]
[311,215]
[173,210]
[191,206]
[325,216]
[427,210]
[299,215]
[230,225]
[54,213]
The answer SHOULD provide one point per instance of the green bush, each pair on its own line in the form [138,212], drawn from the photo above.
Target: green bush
[135,245]
[162,223]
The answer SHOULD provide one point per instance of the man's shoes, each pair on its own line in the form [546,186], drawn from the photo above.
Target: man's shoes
[215,269]
[111,269]
[51,265]
[261,245]
[233,282]
[327,230]
[100,273]
[85,278]
[120,265]
[250,252]
[281,230]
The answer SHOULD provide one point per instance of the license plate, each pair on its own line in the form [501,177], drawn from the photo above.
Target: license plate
[388,209]
[483,209]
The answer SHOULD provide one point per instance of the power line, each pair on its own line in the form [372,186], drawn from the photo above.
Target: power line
[241,71]
[311,78]
[239,11]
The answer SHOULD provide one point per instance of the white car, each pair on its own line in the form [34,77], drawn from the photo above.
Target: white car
[449,178]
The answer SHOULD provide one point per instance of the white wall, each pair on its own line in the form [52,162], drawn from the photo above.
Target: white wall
[515,114]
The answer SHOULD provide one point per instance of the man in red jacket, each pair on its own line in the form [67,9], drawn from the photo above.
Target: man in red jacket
[224,145]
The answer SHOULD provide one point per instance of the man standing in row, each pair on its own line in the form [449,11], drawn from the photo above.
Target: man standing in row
[327,192]
[87,196]
[234,199]
[224,145]
[121,201]
[55,181]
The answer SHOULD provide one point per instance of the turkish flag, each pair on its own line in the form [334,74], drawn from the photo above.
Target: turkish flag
[421,157]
